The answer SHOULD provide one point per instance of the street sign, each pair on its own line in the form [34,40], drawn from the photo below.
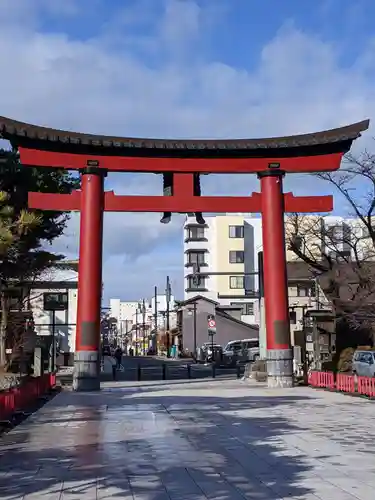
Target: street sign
[55,301]
[211,324]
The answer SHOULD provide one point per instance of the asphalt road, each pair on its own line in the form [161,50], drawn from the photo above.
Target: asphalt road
[157,368]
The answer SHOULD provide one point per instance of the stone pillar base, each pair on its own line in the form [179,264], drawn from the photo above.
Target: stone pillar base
[86,374]
[280,368]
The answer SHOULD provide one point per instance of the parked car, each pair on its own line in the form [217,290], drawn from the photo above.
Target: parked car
[204,353]
[364,363]
[241,351]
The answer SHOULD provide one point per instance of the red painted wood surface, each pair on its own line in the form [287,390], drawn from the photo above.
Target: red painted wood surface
[219,204]
[70,161]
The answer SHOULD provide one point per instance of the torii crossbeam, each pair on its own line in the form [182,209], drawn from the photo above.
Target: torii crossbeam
[95,155]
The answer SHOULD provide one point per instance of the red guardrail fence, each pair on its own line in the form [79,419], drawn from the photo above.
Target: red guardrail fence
[22,397]
[343,383]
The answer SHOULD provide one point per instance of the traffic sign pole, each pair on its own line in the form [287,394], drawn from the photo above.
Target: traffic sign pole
[211,326]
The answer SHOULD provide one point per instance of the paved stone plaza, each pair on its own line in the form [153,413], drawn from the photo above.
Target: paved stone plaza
[193,440]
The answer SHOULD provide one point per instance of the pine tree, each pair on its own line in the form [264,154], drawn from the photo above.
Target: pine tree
[25,232]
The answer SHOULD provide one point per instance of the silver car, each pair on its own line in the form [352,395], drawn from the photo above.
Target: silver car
[241,350]
[364,363]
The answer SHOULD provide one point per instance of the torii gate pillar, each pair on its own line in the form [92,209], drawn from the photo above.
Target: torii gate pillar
[279,350]
[87,354]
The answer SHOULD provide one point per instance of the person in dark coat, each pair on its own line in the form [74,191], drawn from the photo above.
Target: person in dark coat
[118,357]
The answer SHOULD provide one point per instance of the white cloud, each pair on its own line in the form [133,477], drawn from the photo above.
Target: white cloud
[103,85]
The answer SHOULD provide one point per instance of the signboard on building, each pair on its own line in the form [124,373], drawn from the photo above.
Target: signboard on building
[55,301]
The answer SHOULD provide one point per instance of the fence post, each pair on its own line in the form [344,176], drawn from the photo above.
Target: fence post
[213,371]
[139,373]
[164,372]
[189,370]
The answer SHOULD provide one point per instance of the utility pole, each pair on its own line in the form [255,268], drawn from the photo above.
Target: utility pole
[136,332]
[168,299]
[143,324]
[195,330]
[262,322]
[156,319]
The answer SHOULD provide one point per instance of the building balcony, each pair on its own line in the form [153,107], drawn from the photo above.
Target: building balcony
[196,289]
[190,239]
[251,294]
[194,224]
[200,264]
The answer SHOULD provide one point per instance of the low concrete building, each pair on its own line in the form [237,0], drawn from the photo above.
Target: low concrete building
[62,279]
[30,325]
[193,323]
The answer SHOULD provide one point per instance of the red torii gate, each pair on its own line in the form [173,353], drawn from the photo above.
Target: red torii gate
[93,156]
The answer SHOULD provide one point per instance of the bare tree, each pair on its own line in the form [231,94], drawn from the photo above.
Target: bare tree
[342,257]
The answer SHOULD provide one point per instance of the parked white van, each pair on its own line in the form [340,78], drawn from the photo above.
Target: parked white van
[247,349]
[364,363]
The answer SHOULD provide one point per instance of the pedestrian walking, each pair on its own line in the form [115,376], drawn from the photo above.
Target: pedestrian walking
[118,358]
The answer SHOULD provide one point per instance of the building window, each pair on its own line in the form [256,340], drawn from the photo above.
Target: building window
[247,307]
[299,243]
[195,233]
[335,234]
[292,317]
[197,282]
[196,258]
[237,282]
[236,231]
[307,290]
[236,257]
[340,256]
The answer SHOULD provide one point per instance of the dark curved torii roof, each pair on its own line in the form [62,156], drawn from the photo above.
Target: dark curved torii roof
[47,139]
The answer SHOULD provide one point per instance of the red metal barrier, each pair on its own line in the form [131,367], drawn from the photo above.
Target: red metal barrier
[322,379]
[20,398]
[366,386]
[312,378]
[345,383]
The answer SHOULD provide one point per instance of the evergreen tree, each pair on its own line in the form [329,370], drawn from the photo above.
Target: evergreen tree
[24,232]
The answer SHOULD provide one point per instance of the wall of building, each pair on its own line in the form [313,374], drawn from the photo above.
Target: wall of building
[344,234]
[301,297]
[224,245]
[219,245]
[122,310]
[249,250]
[65,321]
[226,329]
[210,257]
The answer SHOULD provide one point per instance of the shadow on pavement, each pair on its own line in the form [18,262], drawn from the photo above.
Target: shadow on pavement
[159,447]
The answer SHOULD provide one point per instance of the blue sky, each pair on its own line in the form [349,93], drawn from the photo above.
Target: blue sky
[184,68]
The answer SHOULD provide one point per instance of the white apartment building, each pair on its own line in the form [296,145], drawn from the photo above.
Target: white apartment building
[225,253]
[124,313]
[131,316]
